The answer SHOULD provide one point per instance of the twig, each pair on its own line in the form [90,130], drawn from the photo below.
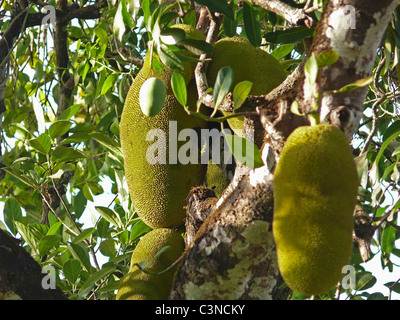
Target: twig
[201,67]
[386,216]
[375,116]
[292,15]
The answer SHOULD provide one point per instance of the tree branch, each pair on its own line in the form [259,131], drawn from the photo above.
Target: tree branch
[292,15]
[21,274]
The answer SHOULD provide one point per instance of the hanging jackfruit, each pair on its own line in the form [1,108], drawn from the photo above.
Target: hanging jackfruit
[315,191]
[248,63]
[158,183]
[157,282]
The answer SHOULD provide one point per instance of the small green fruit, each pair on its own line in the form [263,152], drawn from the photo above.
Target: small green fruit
[152,96]
[315,192]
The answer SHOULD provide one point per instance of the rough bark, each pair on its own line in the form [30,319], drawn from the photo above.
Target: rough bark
[20,274]
[233,253]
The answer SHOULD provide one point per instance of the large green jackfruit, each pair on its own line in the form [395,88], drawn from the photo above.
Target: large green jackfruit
[315,192]
[248,63]
[159,190]
[156,284]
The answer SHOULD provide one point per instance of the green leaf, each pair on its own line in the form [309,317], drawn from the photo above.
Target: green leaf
[81,254]
[72,270]
[12,212]
[37,108]
[388,239]
[64,154]
[169,58]
[123,237]
[294,108]
[230,25]
[100,82]
[54,228]
[172,36]
[365,280]
[87,193]
[240,93]
[244,151]
[59,128]
[138,229]
[179,88]
[311,69]
[222,85]
[83,235]
[27,234]
[91,281]
[102,34]
[109,143]
[146,11]
[394,286]
[109,83]
[119,23]
[23,178]
[291,35]
[355,85]
[282,51]
[327,58]
[218,6]
[110,215]
[197,47]
[68,113]
[107,248]
[48,242]
[252,24]
[103,228]
[385,144]
[20,127]
[41,143]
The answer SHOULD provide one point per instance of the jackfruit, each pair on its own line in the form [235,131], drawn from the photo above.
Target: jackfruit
[315,192]
[190,63]
[216,179]
[158,191]
[248,63]
[156,284]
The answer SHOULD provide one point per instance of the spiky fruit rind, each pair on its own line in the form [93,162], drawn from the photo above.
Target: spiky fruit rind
[315,190]
[159,190]
[248,63]
[138,285]
[216,179]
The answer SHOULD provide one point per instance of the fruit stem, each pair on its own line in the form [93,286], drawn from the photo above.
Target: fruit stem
[313,117]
